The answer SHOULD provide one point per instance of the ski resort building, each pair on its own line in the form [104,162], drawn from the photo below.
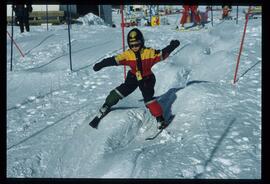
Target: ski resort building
[57,13]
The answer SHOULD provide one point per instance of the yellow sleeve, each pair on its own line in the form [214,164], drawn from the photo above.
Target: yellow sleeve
[121,58]
[154,55]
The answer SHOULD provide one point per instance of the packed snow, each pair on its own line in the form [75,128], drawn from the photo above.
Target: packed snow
[91,19]
[216,132]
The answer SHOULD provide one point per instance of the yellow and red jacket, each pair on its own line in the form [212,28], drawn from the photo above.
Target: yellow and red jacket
[149,57]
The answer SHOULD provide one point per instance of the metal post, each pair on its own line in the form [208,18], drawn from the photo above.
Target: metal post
[70,18]
[11,37]
[123,34]
[212,16]
[68,21]
[150,13]
[47,19]
[237,15]
[158,19]
[11,49]
[241,46]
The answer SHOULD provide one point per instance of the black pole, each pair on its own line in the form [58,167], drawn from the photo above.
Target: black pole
[237,14]
[68,21]
[47,15]
[70,17]
[212,16]
[150,12]
[11,49]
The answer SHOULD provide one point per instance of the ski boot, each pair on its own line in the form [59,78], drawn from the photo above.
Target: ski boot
[198,27]
[182,28]
[103,111]
[161,122]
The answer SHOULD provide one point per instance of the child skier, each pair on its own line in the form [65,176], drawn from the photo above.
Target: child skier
[194,12]
[140,59]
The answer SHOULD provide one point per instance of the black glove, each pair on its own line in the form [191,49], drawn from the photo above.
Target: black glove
[97,66]
[104,63]
[174,43]
[167,50]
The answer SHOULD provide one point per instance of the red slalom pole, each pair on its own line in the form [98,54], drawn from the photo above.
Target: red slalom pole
[15,44]
[241,46]
[123,35]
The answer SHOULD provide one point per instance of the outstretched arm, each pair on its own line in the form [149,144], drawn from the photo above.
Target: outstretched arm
[104,63]
[168,50]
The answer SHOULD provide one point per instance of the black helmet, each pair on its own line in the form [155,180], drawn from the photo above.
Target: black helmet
[135,35]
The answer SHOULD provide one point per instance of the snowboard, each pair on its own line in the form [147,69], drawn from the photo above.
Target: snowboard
[152,137]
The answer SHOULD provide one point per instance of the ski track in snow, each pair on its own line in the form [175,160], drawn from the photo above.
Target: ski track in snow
[216,132]
[41,42]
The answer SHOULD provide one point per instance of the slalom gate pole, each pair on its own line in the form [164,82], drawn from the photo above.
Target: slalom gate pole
[237,14]
[241,46]
[11,49]
[68,20]
[123,34]
[176,20]
[150,14]
[212,16]
[13,41]
[47,16]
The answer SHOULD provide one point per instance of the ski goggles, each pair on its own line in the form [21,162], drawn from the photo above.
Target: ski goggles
[135,45]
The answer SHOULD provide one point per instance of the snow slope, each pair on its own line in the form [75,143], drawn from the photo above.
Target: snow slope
[216,132]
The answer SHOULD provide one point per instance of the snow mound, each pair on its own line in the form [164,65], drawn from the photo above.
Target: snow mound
[91,19]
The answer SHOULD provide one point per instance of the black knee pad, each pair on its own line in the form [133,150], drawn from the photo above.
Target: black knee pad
[113,98]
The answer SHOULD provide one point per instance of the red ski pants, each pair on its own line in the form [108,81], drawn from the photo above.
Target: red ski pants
[146,85]
[193,11]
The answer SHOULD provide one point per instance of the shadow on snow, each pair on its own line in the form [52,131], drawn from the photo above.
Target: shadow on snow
[167,99]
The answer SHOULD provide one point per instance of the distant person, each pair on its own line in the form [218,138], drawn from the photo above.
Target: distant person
[204,15]
[226,11]
[140,59]
[22,15]
[194,13]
